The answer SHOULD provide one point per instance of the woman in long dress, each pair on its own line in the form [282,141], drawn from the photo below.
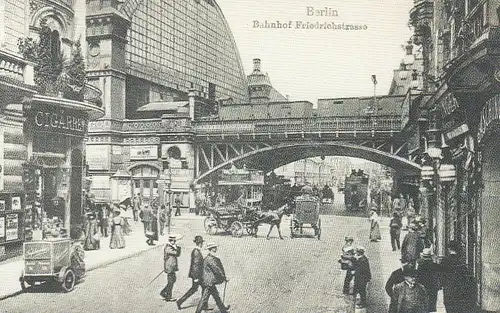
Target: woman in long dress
[374,228]
[92,233]
[117,241]
[152,233]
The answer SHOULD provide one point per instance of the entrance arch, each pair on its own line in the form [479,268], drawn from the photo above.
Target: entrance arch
[145,180]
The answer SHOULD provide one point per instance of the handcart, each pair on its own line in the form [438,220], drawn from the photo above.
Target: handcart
[52,260]
[306,212]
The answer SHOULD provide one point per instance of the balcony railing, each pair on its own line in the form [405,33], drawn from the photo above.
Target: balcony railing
[15,68]
[471,29]
[298,125]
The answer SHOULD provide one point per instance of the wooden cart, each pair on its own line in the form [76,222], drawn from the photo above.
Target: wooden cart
[52,260]
[306,215]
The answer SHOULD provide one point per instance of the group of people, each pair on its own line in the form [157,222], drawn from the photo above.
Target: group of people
[97,221]
[357,266]
[206,273]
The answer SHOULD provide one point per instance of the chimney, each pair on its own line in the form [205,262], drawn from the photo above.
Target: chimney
[191,97]
[256,65]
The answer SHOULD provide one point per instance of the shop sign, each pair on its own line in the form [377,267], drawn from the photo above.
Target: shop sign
[460,130]
[11,227]
[2,228]
[57,120]
[144,153]
[2,162]
[97,157]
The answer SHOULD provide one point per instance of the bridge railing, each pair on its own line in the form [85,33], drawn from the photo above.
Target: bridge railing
[298,125]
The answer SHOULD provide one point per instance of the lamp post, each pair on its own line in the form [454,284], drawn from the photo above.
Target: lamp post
[441,174]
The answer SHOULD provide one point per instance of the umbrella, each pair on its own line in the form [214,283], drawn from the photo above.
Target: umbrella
[126,202]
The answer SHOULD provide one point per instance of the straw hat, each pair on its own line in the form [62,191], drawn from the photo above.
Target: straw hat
[211,245]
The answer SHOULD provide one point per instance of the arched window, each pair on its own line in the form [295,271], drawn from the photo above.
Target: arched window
[55,44]
[174,153]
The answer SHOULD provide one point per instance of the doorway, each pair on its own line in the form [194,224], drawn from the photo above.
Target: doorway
[145,182]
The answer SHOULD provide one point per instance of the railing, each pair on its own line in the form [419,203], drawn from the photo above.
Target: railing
[298,125]
[15,68]
[471,29]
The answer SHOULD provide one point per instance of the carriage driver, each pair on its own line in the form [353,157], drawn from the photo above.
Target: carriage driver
[307,189]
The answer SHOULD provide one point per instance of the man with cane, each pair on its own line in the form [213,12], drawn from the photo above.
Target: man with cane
[213,275]
[171,253]
[195,270]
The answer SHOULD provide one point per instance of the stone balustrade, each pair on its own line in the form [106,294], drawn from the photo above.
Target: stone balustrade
[13,67]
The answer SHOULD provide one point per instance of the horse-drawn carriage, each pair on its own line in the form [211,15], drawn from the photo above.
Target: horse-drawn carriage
[306,212]
[234,219]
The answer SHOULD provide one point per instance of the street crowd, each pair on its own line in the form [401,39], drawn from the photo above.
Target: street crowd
[412,288]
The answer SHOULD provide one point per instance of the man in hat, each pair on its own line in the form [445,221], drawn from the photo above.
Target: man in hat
[195,270]
[362,275]
[395,278]
[213,275]
[412,245]
[171,253]
[428,276]
[409,295]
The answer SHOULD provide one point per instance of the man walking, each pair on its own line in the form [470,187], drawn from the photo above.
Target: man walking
[346,261]
[362,275]
[428,276]
[171,253]
[396,278]
[409,296]
[136,208]
[195,270]
[178,203]
[213,275]
[412,245]
[395,231]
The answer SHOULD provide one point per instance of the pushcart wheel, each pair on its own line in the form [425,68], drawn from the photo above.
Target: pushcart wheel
[319,229]
[210,225]
[237,229]
[68,282]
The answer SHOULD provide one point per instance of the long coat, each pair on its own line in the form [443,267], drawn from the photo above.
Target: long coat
[171,253]
[411,247]
[196,267]
[362,274]
[213,271]
[410,299]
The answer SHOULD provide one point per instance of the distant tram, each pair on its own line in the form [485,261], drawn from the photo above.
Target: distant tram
[356,191]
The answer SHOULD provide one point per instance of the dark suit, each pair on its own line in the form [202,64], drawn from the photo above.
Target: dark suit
[195,273]
[362,275]
[213,275]
[171,253]
[395,278]
[411,247]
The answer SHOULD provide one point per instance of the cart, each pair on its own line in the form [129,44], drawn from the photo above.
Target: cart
[52,261]
[233,219]
[306,213]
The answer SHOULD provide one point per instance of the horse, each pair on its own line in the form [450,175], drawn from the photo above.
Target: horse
[273,218]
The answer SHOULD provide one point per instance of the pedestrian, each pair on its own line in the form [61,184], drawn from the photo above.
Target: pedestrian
[458,285]
[178,203]
[195,270]
[117,240]
[395,278]
[409,296]
[374,227]
[136,206]
[125,215]
[92,233]
[152,233]
[146,216]
[428,276]
[347,263]
[412,245]
[362,275]
[170,254]
[395,231]
[213,275]
[103,217]
[163,218]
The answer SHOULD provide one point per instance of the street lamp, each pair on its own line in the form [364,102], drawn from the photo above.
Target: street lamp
[439,174]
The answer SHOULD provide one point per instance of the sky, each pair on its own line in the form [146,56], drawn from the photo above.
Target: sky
[311,64]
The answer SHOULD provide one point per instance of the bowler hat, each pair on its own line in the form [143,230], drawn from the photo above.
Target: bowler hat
[198,239]
[349,238]
[211,245]
[360,249]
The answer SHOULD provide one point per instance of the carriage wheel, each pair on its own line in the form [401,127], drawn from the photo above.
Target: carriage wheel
[237,229]
[68,282]
[210,225]
[319,229]
[250,229]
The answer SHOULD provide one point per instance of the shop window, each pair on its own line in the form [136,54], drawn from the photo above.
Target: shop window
[137,183]
[174,153]
[184,165]
[155,184]
[147,184]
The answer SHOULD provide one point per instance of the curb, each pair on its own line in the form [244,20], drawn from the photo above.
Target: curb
[96,266]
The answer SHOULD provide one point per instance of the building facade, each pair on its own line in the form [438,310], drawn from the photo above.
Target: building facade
[45,106]
[459,43]
[161,65]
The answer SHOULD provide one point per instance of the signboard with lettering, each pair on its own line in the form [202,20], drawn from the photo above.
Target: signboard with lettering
[11,227]
[57,120]
[97,157]
[144,153]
